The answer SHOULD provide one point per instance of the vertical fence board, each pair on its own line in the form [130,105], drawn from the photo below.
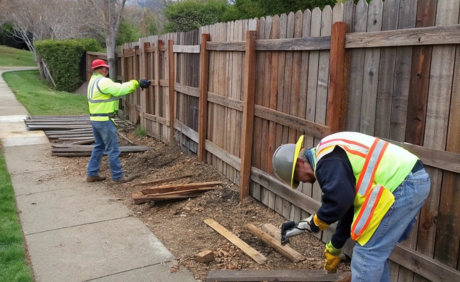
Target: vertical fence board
[439,95]
[386,72]
[357,70]
[371,71]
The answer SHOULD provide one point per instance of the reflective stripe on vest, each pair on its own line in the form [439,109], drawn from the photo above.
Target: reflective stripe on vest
[371,201]
[366,178]
[91,93]
[366,212]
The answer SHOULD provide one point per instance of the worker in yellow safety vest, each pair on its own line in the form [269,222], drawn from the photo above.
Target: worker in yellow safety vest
[372,188]
[103,99]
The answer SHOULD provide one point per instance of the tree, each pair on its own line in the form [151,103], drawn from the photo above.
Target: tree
[188,15]
[107,16]
[34,20]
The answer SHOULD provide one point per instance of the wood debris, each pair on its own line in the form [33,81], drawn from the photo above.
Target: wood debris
[173,191]
[286,251]
[205,256]
[254,254]
[290,275]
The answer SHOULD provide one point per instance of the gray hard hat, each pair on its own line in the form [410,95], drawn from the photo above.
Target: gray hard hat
[284,161]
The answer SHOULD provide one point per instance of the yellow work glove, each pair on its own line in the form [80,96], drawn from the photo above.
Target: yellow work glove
[332,258]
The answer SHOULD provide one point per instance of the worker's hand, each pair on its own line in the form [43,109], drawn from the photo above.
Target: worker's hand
[144,83]
[332,258]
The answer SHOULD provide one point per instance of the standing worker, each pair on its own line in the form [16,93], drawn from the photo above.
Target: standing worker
[374,190]
[103,95]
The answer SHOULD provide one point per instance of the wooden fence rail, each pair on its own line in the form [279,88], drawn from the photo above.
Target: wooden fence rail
[233,92]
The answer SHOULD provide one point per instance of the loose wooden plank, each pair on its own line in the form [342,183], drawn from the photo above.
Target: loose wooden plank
[290,275]
[286,251]
[179,187]
[139,198]
[159,181]
[251,252]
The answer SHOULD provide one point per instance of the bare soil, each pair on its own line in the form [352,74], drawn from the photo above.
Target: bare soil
[179,224]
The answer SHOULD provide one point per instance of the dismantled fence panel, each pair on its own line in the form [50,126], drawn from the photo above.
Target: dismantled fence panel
[385,68]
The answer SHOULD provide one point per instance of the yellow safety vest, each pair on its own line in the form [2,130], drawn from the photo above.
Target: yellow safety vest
[103,96]
[379,168]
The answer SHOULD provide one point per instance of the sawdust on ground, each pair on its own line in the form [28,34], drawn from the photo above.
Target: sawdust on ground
[179,224]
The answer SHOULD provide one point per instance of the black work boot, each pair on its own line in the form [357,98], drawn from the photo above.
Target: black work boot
[95,178]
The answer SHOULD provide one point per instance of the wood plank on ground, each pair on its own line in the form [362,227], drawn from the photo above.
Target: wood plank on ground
[290,275]
[159,181]
[179,187]
[286,251]
[254,254]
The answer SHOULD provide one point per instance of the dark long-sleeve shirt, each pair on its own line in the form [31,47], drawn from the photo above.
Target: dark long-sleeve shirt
[336,179]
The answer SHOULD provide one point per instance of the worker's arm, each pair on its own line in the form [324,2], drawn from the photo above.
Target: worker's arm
[107,86]
[337,182]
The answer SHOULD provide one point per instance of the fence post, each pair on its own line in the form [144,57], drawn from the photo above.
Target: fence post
[172,100]
[248,113]
[143,74]
[203,106]
[337,97]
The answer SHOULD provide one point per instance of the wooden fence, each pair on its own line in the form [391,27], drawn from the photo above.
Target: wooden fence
[233,92]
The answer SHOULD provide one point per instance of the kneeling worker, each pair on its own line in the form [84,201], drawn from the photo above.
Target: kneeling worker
[374,190]
[103,95]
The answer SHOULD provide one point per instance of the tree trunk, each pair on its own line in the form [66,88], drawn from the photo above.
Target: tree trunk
[111,57]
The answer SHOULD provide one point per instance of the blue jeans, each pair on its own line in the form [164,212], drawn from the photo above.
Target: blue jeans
[370,262]
[105,135]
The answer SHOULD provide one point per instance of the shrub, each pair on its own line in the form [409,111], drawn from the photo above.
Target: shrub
[63,58]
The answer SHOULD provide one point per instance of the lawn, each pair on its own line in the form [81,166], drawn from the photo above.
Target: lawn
[13,262]
[15,57]
[40,99]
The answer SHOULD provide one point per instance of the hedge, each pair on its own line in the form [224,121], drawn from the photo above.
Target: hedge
[63,58]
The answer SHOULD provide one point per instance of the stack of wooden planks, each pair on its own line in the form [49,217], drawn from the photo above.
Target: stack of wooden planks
[173,191]
[76,132]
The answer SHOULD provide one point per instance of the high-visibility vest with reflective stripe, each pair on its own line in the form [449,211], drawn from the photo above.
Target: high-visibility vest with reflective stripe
[379,168]
[103,96]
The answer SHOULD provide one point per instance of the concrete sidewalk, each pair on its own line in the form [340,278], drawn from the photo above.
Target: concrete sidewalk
[74,231]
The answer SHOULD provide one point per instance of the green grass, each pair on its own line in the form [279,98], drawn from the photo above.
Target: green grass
[16,57]
[13,262]
[140,132]
[40,99]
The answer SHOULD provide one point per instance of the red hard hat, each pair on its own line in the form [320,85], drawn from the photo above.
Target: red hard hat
[98,63]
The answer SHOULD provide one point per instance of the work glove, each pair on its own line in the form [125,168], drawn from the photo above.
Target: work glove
[144,83]
[332,258]
[292,228]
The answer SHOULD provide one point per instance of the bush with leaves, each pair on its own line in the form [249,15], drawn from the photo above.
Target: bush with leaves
[63,58]
[190,14]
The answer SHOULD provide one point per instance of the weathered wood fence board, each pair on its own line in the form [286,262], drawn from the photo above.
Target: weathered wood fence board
[400,82]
